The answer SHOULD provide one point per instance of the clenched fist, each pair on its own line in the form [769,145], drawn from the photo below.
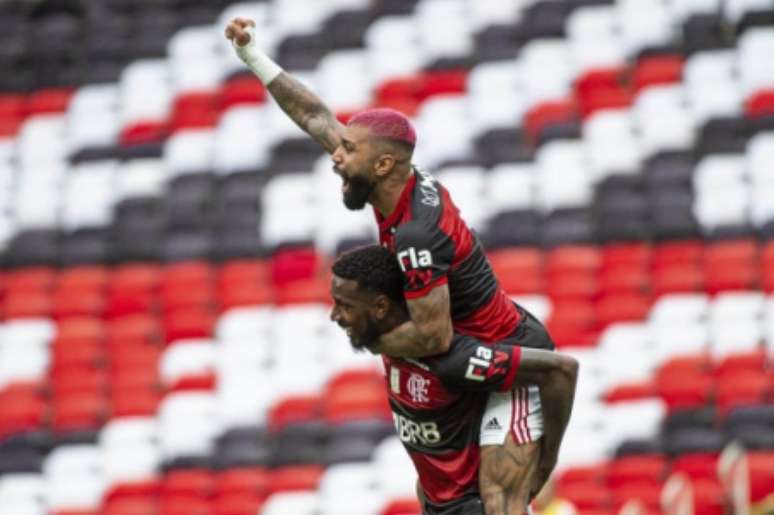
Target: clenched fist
[238,30]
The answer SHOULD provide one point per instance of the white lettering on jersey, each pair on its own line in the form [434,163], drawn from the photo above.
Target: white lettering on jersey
[427,188]
[422,433]
[481,360]
[413,258]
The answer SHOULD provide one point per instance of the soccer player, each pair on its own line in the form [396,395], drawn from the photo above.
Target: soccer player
[437,401]
[449,284]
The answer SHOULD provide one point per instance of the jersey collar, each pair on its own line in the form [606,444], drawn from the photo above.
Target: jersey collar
[400,207]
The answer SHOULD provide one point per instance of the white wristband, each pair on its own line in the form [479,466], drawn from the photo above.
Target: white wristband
[261,64]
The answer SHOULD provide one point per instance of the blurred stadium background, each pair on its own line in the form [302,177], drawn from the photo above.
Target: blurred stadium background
[166,234]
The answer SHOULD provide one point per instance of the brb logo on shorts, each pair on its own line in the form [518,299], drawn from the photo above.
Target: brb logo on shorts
[417,387]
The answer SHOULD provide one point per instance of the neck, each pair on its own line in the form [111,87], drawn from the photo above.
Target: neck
[385,196]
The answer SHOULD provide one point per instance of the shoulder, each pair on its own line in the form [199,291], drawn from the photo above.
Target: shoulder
[428,198]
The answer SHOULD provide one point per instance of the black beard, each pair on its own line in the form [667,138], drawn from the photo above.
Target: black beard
[360,189]
[369,337]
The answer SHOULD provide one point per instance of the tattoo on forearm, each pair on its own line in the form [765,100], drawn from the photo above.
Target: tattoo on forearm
[306,109]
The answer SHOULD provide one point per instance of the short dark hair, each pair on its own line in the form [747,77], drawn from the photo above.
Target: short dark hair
[375,269]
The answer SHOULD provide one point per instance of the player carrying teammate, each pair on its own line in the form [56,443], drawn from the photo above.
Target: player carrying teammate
[436,401]
[449,284]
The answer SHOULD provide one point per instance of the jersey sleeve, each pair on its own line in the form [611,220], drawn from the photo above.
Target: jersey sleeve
[425,254]
[472,366]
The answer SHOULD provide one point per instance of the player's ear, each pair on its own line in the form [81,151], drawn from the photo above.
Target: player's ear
[381,307]
[384,164]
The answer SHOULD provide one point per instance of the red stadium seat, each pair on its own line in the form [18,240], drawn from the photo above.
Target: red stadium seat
[748,362]
[442,82]
[80,329]
[240,271]
[134,328]
[631,279]
[697,465]
[599,78]
[291,410]
[184,505]
[315,290]
[635,255]
[587,496]
[27,305]
[402,507]
[10,125]
[289,479]
[194,483]
[148,131]
[367,400]
[79,380]
[90,277]
[202,298]
[650,469]
[293,264]
[589,474]
[237,505]
[196,110]
[685,390]
[709,497]
[567,286]
[602,88]
[760,466]
[630,392]
[243,481]
[519,270]
[573,258]
[130,302]
[648,493]
[652,71]
[741,388]
[573,323]
[77,354]
[35,278]
[118,493]
[677,279]
[131,507]
[188,323]
[759,104]
[245,295]
[53,100]
[544,115]
[622,307]
[136,276]
[687,252]
[13,105]
[24,409]
[134,402]
[242,90]
[78,303]
[203,381]
[75,412]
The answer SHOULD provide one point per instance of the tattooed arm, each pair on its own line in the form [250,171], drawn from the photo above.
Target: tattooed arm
[429,331]
[556,374]
[512,474]
[307,110]
[300,104]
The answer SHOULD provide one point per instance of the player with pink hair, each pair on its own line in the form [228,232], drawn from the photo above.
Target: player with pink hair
[449,288]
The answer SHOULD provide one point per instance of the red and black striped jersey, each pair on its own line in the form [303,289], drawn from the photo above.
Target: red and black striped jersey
[435,246]
[437,405]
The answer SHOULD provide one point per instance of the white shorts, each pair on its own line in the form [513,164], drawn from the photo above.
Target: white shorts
[517,412]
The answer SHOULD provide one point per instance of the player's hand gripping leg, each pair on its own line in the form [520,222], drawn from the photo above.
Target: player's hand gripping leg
[507,475]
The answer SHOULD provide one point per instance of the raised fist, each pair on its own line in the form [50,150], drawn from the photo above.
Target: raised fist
[238,30]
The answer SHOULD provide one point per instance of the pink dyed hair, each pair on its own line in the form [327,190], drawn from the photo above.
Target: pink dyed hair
[386,123]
